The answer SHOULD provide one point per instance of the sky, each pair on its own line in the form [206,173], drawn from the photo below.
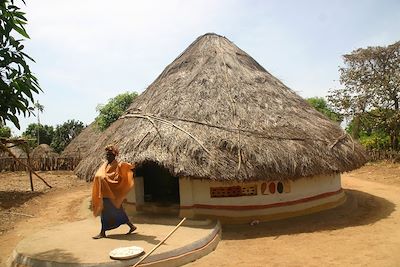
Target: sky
[89,51]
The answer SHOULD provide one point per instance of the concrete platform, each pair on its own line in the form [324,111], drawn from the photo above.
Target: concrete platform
[72,244]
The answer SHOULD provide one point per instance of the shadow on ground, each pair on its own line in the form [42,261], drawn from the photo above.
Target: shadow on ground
[47,257]
[135,236]
[9,199]
[359,209]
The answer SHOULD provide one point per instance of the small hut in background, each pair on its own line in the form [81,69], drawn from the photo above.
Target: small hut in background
[16,150]
[8,163]
[80,145]
[216,135]
[43,151]
[44,158]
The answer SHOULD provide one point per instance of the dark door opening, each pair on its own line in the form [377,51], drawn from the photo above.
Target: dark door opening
[160,186]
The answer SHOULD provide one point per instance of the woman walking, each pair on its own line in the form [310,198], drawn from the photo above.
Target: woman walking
[111,184]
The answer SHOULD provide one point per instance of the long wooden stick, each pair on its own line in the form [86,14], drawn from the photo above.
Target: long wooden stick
[4,147]
[160,243]
[183,130]
[245,131]
[30,173]
[143,117]
[343,136]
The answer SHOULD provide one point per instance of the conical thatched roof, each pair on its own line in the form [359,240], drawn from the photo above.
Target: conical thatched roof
[215,113]
[80,145]
[43,151]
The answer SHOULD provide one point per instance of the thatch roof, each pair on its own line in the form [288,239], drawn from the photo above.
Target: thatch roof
[215,113]
[16,150]
[43,151]
[80,145]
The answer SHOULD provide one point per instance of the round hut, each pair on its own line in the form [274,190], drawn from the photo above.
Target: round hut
[43,151]
[216,135]
[16,150]
[80,145]
[7,162]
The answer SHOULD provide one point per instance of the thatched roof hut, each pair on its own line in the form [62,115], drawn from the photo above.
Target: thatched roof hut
[81,144]
[43,151]
[215,114]
[16,150]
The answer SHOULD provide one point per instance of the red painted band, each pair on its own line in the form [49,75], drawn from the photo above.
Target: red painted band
[255,207]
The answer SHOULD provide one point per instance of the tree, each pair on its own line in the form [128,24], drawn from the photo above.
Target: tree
[17,83]
[5,132]
[64,133]
[351,105]
[320,104]
[39,108]
[373,133]
[113,109]
[371,79]
[45,133]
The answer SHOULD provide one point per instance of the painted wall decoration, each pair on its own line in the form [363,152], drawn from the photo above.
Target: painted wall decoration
[233,191]
[269,188]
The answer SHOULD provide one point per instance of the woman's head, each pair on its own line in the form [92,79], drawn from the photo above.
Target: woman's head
[111,152]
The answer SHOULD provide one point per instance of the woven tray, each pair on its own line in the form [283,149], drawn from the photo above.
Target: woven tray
[125,253]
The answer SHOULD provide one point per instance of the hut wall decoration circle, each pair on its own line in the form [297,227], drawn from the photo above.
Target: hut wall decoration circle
[215,130]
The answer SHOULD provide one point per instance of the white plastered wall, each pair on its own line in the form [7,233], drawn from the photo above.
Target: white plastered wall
[305,193]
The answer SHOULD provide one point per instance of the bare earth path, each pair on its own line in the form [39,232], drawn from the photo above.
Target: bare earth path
[365,231]
[49,207]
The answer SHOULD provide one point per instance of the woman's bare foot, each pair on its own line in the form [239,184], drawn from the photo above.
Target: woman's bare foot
[132,228]
[101,235]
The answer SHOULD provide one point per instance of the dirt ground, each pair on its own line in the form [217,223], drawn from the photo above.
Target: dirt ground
[365,231]
[23,212]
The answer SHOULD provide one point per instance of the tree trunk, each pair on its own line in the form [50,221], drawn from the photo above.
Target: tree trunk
[395,144]
[394,139]
[356,127]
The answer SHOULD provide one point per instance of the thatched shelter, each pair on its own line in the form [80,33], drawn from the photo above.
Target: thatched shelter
[43,151]
[218,135]
[80,145]
[12,153]
[16,150]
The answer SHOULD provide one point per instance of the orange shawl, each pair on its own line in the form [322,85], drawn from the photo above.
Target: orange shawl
[112,181]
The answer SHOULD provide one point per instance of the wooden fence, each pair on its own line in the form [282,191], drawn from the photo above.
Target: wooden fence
[375,155]
[39,164]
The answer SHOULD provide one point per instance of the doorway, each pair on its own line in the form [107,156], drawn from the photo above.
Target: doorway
[159,186]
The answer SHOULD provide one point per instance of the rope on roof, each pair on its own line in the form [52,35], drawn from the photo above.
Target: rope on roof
[248,132]
[150,117]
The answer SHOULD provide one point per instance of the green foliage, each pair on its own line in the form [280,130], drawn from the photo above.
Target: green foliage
[320,104]
[373,129]
[371,94]
[63,134]
[17,83]
[5,132]
[113,109]
[376,140]
[46,134]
